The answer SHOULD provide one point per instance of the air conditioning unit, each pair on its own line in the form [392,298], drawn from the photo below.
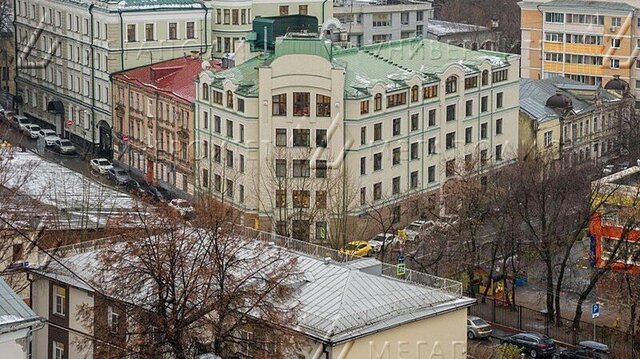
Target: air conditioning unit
[613,29]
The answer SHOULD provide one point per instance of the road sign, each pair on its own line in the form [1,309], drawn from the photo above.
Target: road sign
[69,122]
[595,311]
[401,259]
[125,138]
[401,269]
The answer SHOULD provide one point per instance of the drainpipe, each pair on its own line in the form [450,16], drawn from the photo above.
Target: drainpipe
[155,169]
[15,56]
[323,3]
[206,31]
[121,40]
[93,83]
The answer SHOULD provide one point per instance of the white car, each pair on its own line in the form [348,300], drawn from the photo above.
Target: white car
[380,239]
[21,121]
[50,140]
[64,146]
[414,228]
[100,165]
[44,132]
[31,130]
[182,206]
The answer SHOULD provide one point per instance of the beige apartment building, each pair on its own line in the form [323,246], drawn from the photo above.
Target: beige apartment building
[68,50]
[232,19]
[278,135]
[587,41]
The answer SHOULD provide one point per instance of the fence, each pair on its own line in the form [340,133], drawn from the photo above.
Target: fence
[622,345]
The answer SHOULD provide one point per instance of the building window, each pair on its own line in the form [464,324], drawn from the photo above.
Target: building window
[229,157]
[377,161]
[229,99]
[240,105]
[321,138]
[301,168]
[377,191]
[451,85]
[616,21]
[235,19]
[615,63]
[377,102]
[241,193]
[432,118]
[301,103]
[301,137]
[321,228]
[431,146]
[554,17]
[131,33]
[284,10]
[363,165]
[281,200]
[279,105]
[413,180]
[414,122]
[431,174]
[301,199]
[363,196]
[149,32]
[483,131]
[500,76]
[281,168]
[484,104]
[113,319]
[364,107]
[468,108]
[414,151]
[396,156]
[450,168]
[499,153]
[414,93]
[60,297]
[217,124]
[499,99]
[396,127]
[173,31]
[323,106]
[470,82]
[217,97]
[430,92]
[377,131]
[229,189]
[499,126]
[58,350]
[615,43]
[191,32]
[205,92]
[303,9]
[468,135]
[548,139]
[451,113]
[395,185]
[483,157]
[363,135]
[451,140]
[321,169]
[381,20]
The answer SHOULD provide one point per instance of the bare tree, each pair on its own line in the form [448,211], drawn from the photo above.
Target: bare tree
[186,289]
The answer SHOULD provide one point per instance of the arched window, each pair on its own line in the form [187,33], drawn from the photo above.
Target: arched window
[451,85]
[229,99]
[205,92]
[377,102]
[485,77]
[414,93]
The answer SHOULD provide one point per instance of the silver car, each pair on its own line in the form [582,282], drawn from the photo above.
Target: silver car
[477,328]
[118,175]
[64,146]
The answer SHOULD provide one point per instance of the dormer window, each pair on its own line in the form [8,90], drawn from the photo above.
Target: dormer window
[229,99]
[205,92]
[451,85]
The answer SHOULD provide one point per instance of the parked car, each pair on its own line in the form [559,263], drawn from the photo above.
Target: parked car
[118,175]
[31,130]
[622,165]
[534,344]
[44,132]
[382,238]
[477,328]
[19,122]
[586,350]
[357,248]
[142,188]
[182,207]
[608,169]
[100,165]
[414,228]
[2,114]
[64,146]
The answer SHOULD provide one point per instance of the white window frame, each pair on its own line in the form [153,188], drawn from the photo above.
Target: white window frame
[615,63]
[177,30]
[58,350]
[63,298]
[155,32]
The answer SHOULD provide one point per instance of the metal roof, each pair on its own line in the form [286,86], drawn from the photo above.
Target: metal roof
[589,5]
[535,93]
[444,28]
[337,302]
[14,311]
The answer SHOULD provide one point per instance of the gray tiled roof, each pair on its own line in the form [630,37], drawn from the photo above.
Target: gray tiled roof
[13,310]
[535,93]
[337,302]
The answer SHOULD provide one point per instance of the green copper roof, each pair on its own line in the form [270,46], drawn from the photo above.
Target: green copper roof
[389,64]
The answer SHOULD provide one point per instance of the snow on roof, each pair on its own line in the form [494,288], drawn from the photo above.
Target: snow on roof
[14,311]
[444,28]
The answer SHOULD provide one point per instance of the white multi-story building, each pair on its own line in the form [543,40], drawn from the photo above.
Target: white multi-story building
[68,50]
[373,22]
[390,121]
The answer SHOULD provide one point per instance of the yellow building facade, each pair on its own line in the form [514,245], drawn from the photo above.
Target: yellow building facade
[586,41]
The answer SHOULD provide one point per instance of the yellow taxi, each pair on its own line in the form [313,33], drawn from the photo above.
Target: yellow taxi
[357,248]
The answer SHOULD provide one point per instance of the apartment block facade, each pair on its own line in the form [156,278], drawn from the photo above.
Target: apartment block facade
[370,23]
[587,41]
[276,135]
[68,49]
[231,19]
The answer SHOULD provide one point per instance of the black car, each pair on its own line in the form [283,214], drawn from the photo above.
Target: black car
[586,350]
[534,344]
[144,189]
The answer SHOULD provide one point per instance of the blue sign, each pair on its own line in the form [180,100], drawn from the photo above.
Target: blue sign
[401,259]
[595,311]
